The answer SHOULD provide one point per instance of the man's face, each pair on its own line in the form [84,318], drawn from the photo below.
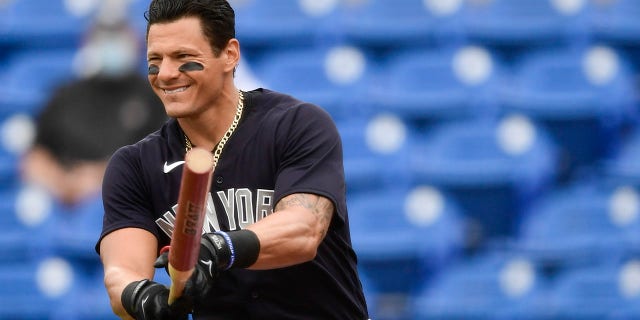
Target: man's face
[183,70]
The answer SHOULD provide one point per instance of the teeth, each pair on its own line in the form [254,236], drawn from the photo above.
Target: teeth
[175,90]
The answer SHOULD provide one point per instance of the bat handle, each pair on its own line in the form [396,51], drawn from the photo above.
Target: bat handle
[178,281]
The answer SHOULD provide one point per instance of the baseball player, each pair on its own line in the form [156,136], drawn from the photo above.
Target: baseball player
[275,241]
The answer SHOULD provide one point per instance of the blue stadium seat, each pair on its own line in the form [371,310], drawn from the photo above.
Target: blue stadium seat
[393,24]
[371,294]
[493,167]
[626,312]
[581,224]
[44,23]
[87,300]
[599,292]
[524,23]
[10,152]
[33,289]
[492,285]
[32,76]
[20,296]
[623,165]
[75,230]
[431,86]
[402,237]
[24,233]
[17,131]
[615,22]
[68,232]
[582,96]
[327,76]
[281,23]
[375,152]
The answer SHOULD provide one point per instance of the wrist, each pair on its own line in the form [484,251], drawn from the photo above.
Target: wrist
[234,249]
[130,294]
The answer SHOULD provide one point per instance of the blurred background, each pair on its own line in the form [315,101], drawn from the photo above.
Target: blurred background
[490,146]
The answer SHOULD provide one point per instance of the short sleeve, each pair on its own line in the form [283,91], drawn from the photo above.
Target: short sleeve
[311,157]
[124,195]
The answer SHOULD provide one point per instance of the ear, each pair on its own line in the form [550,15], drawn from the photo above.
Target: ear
[232,54]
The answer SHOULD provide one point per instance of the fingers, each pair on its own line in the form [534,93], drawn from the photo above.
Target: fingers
[162,261]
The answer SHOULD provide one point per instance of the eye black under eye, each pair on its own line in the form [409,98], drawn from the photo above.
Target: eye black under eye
[191,66]
[153,69]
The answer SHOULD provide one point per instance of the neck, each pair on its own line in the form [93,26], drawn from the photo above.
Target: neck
[209,128]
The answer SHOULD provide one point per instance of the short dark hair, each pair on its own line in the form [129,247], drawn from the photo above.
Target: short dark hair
[217,18]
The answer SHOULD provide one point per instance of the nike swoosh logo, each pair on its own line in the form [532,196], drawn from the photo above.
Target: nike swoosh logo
[209,264]
[168,167]
[144,301]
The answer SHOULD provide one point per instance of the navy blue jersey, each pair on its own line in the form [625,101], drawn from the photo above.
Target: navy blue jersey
[281,146]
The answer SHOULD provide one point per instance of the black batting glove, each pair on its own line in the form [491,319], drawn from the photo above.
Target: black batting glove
[148,300]
[212,259]
[219,251]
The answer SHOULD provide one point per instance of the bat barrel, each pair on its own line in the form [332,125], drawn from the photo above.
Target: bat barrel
[192,199]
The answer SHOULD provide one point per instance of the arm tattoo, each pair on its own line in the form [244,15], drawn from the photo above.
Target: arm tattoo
[321,207]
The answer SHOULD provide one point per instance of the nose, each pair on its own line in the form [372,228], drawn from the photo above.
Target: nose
[168,70]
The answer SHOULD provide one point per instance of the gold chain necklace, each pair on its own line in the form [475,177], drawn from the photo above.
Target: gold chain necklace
[218,151]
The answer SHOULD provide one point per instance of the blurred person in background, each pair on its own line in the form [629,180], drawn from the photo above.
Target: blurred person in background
[85,121]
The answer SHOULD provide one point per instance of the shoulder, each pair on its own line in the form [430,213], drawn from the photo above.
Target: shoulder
[276,108]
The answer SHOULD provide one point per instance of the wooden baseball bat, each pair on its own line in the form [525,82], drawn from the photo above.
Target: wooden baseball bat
[192,199]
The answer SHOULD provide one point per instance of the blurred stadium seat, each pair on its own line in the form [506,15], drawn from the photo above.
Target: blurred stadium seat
[44,23]
[404,237]
[493,168]
[26,213]
[75,230]
[615,22]
[282,23]
[581,224]
[327,76]
[393,24]
[599,292]
[488,286]
[375,152]
[19,294]
[32,76]
[432,86]
[583,97]
[48,269]
[370,294]
[623,166]
[33,288]
[88,299]
[17,131]
[524,23]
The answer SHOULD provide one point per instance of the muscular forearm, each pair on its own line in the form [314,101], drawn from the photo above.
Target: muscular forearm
[125,263]
[292,234]
[283,243]
[115,280]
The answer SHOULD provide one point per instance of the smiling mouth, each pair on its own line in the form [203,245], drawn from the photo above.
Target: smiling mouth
[177,90]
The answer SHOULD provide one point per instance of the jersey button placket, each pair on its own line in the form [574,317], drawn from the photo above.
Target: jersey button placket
[219,180]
